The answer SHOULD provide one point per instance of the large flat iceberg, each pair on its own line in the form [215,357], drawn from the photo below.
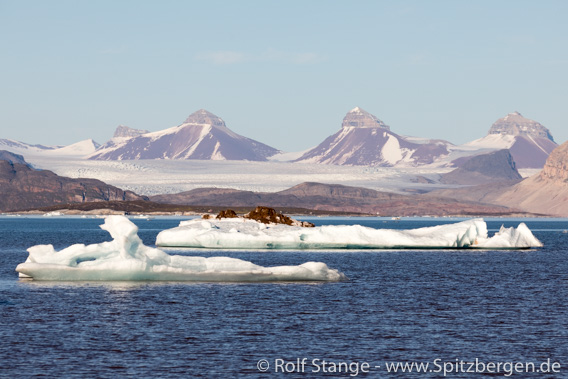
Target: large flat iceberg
[248,234]
[127,258]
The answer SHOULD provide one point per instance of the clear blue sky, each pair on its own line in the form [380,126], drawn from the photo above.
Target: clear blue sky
[282,72]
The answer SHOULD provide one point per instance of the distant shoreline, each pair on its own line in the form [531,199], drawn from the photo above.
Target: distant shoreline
[198,211]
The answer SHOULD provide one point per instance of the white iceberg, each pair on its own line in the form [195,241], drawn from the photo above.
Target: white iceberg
[248,234]
[127,258]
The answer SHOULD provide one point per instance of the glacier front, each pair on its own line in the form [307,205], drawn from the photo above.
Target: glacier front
[248,234]
[127,258]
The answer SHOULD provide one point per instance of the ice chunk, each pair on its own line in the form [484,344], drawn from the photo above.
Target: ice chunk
[127,258]
[512,238]
[248,234]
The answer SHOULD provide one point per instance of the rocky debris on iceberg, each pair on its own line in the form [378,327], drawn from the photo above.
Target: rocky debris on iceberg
[127,258]
[228,213]
[268,215]
[250,234]
[262,214]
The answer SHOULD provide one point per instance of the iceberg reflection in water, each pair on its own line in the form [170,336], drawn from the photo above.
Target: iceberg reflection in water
[127,258]
[249,234]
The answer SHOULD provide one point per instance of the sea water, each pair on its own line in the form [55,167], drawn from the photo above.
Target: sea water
[440,307]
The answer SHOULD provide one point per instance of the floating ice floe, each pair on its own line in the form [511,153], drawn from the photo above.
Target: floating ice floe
[247,234]
[127,258]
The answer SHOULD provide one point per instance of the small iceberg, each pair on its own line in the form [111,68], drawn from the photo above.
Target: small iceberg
[52,214]
[249,234]
[127,258]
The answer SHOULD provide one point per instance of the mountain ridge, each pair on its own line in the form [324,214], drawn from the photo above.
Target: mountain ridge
[365,140]
[202,135]
[545,193]
[362,140]
[23,187]
[334,197]
[484,168]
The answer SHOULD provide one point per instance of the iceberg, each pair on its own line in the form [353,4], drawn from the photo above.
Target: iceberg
[248,234]
[127,258]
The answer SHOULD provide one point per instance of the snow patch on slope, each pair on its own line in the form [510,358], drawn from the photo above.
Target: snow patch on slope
[493,141]
[205,130]
[79,149]
[391,150]
[537,145]
[216,155]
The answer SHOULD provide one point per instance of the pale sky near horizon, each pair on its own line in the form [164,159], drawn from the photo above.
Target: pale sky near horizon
[284,73]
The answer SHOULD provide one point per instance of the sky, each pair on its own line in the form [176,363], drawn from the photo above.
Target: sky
[282,72]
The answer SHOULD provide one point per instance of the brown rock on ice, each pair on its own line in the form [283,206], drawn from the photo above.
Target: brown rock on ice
[228,213]
[268,215]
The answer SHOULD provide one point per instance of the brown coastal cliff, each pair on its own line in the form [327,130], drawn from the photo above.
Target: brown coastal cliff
[546,192]
[22,187]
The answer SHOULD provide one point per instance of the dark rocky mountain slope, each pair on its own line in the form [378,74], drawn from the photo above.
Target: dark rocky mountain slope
[545,193]
[22,187]
[334,197]
[485,168]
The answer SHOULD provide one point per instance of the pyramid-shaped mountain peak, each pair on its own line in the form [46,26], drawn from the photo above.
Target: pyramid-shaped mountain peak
[203,135]
[516,125]
[360,118]
[357,110]
[204,117]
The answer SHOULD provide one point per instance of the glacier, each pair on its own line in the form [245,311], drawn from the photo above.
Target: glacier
[250,234]
[126,258]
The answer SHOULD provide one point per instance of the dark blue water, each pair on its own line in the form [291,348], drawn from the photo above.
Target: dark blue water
[398,306]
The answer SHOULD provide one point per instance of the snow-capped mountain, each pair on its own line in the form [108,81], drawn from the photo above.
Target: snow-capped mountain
[79,149]
[529,142]
[366,140]
[20,147]
[13,158]
[201,136]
